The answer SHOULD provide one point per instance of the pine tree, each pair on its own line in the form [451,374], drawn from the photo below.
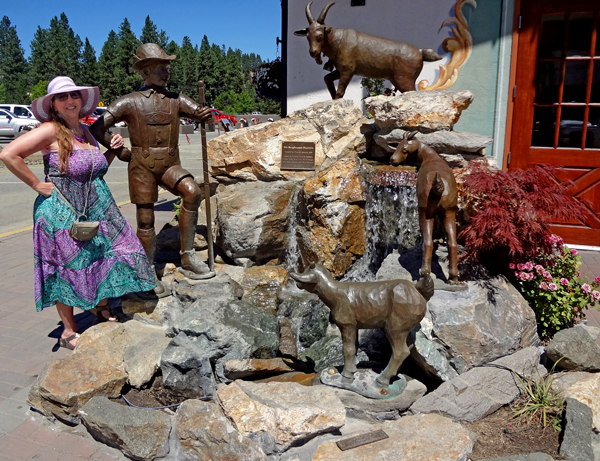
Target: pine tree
[13,66]
[189,71]
[89,65]
[234,77]
[150,34]
[108,80]
[127,44]
[63,50]
[175,75]
[38,57]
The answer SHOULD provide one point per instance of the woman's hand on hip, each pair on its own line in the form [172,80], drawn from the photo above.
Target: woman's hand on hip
[116,141]
[44,188]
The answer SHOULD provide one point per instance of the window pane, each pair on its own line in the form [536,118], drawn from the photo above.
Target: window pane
[593,134]
[571,127]
[544,119]
[595,96]
[580,34]
[575,81]
[552,36]
[547,80]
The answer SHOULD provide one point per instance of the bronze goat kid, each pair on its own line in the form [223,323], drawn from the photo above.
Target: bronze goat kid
[396,306]
[437,193]
[357,53]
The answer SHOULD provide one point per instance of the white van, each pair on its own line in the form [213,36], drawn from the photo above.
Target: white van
[20,110]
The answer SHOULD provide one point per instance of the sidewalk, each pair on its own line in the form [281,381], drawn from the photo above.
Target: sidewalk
[28,341]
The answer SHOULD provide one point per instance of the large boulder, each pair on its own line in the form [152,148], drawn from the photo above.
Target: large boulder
[587,391]
[228,330]
[332,217]
[253,219]
[443,142]
[419,437]
[577,436]
[206,434]
[463,329]
[481,391]
[186,369]
[255,153]
[262,285]
[574,349]
[425,110]
[279,415]
[140,434]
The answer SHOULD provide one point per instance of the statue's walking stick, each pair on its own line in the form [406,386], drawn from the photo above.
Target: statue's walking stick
[211,257]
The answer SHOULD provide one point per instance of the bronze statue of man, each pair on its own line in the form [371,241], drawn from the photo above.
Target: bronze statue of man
[152,115]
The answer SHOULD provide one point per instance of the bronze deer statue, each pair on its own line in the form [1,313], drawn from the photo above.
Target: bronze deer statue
[437,193]
[396,306]
[357,53]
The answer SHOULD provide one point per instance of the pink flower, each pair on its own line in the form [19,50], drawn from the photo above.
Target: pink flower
[596,295]
[512,266]
[552,286]
[523,276]
[546,274]
[574,252]
[539,269]
[529,266]
[586,288]
[564,281]
[521,266]
[598,279]
[544,286]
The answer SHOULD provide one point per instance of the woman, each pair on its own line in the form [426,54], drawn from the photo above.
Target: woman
[73,273]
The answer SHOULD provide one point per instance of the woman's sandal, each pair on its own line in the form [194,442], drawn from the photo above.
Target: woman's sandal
[101,318]
[66,342]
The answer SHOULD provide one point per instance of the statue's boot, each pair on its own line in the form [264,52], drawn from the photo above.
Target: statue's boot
[148,239]
[191,266]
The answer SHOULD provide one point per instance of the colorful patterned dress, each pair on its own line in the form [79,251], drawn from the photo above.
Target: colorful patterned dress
[77,273]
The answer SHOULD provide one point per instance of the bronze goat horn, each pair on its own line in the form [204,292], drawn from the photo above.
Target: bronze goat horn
[321,19]
[309,15]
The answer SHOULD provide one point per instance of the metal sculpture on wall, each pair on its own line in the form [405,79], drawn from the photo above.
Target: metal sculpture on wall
[152,114]
[460,46]
[396,306]
[437,193]
[351,52]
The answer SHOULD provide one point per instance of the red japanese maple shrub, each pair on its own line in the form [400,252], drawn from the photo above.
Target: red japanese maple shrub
[509,211]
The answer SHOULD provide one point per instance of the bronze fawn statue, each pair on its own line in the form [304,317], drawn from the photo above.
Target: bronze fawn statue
[396,306]
[436,194]
[357,53]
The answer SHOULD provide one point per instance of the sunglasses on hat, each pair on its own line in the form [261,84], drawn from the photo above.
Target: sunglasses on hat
[63,96]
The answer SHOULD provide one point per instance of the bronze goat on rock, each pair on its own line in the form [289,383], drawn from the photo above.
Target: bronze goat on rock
[437,193]
[357,53]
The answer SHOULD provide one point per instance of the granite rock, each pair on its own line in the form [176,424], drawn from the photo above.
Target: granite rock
[576,350]
[577,436]
[278,415]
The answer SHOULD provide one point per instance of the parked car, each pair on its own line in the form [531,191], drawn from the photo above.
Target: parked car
[220,116]
[20,110]
[99,112]
[11,125]
[256,113]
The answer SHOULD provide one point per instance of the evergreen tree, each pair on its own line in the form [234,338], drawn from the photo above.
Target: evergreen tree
[63,50]
[150,34]
[127,44]
[38,56]
[176,73]
[13,66]
[40,89]
[108,79]
[89,65]
[189,71]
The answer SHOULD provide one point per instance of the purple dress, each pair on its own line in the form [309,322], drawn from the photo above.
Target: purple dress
[77,273]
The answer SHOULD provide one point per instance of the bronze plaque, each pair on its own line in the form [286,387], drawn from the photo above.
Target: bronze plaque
[361,440]
[297,155]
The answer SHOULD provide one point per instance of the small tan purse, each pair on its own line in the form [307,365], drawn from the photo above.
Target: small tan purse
[81,229]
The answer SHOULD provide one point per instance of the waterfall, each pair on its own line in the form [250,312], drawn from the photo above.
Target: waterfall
[292,252]
[392,221]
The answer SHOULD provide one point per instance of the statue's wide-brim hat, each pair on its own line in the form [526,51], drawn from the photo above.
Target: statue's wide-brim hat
[150,53]
[90,96]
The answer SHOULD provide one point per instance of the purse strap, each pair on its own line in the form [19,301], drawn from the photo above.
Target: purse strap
[87,195]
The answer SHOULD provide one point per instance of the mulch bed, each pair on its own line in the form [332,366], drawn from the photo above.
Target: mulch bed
[499,434]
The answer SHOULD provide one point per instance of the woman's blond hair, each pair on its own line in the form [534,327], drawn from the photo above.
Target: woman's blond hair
[64,137]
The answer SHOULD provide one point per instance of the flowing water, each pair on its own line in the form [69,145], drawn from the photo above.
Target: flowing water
[292,252]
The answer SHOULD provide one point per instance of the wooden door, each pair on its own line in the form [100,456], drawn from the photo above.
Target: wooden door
[556,115]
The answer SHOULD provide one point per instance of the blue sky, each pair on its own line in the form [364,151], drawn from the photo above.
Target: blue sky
[250,25]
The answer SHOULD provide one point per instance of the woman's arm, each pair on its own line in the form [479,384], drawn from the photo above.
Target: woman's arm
[14,154]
